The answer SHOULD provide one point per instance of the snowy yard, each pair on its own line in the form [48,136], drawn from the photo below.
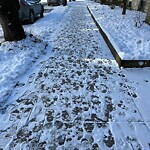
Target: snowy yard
[128,33]
[60,88]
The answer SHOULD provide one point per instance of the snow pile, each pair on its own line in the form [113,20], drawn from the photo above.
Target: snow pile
[16,58]
[128,33]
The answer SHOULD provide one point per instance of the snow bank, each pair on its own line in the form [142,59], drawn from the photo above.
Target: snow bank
[131,42]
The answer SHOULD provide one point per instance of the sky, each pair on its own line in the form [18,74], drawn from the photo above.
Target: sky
[60,88]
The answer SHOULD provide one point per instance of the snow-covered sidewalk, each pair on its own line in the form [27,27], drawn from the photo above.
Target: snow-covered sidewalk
[75,97]
[128,33]
[17,58]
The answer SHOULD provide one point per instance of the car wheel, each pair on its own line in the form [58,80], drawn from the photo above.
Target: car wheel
[42,13]
[31,18]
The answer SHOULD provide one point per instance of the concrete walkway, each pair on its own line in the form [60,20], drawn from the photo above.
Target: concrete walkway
[78,99]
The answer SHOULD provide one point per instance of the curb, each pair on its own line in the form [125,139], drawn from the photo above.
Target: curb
[121,63]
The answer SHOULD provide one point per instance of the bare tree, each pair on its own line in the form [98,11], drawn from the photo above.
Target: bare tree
[9,19]
[124,7]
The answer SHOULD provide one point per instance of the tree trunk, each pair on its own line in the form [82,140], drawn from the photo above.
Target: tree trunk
[9,19]
[124,7]
[64,2]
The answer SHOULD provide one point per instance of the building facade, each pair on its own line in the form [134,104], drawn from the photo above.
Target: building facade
[135,4]
[148,15]
[147,5]
[140,5]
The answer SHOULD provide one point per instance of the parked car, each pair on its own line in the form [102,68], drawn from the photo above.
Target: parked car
[30,9]
[54,2]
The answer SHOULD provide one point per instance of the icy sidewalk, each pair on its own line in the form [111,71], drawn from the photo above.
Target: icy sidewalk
[78,99]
